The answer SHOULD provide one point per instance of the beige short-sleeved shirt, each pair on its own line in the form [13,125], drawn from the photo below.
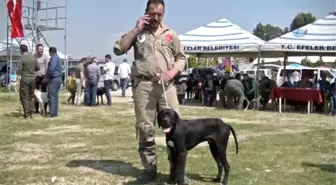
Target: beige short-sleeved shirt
[155,55]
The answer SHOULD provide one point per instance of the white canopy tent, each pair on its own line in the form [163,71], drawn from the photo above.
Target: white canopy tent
[318,38]
[16,48]
[220,38]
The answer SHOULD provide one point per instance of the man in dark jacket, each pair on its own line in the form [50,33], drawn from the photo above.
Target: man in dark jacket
[27,67]
[234,88]
[54,74]
[332,97]
[209,87]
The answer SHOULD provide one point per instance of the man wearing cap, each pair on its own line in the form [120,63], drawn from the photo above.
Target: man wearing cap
[158,55]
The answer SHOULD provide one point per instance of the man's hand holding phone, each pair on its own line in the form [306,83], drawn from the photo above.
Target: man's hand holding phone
[142,22]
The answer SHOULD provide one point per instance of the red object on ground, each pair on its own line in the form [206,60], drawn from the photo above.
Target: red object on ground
[297,94]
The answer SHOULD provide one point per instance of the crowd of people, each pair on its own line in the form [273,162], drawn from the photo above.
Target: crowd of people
[38,71]
[240,88]
[87,78]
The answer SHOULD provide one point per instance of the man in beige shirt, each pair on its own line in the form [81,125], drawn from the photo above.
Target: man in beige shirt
[158,55]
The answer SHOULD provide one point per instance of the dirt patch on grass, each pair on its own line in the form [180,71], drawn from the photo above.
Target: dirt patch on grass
[58,130]
[27,152]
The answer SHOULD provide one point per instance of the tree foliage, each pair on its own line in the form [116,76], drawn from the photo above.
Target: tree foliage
[302,19]
[267,32]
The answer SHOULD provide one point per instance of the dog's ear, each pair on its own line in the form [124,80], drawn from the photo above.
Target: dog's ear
[159,117]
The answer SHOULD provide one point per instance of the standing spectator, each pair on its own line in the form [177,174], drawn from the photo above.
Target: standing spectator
[124,72]
[40,80]
[80,80]
[109,69]
[92,78]
[54,74]
[27,67]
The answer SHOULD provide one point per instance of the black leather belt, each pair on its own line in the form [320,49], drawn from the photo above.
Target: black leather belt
[146,78]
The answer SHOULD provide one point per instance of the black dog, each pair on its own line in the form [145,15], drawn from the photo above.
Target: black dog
[100,93]
[184,135]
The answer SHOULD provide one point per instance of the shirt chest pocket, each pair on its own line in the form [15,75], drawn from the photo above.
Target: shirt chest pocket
[167,47]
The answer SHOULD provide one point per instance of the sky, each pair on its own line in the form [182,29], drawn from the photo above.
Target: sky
[93,28]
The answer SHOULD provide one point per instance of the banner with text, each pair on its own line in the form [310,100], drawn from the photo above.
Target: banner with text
[303,47]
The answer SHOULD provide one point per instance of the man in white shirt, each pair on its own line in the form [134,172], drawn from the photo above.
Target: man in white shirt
[124,71]
[296,76]
[109,68]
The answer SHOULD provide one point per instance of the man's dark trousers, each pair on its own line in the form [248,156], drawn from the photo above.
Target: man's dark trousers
[123,84]
[40,82]
[91,92]
[54,86]
[27,86]
[107,86]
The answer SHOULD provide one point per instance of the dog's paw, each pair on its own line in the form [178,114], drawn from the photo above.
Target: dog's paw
[216,180]
[171,182]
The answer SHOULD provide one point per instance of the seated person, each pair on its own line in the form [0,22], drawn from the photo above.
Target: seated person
[287,83]
[305,83]
[266,86]
[250,86]
[234,88]
[209,87]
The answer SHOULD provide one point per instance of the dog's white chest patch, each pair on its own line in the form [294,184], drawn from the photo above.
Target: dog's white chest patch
[171,144]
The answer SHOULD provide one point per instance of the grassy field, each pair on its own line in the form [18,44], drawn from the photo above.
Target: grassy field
[97,145]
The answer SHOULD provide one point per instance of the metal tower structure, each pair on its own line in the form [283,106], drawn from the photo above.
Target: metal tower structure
[39,17]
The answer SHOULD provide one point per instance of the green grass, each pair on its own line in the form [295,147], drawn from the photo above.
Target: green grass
[97,146]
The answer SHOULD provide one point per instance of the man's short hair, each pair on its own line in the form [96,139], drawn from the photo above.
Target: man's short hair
[82,60]
[23,48]
[38,45]
[53,50]
[108,56]
[149,2]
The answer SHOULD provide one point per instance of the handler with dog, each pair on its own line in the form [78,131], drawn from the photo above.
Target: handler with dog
[158,55]
[27,67]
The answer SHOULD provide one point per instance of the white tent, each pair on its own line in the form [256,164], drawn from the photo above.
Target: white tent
[220,38]
[16,48]
[318,38]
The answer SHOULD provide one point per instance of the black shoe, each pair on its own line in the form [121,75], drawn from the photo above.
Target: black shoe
[186,181]
[147,177]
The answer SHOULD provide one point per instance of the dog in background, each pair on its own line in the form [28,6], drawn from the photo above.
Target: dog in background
[100,93]
[184,135]
[42,98]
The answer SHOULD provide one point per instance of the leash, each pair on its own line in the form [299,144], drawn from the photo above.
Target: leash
[164,92]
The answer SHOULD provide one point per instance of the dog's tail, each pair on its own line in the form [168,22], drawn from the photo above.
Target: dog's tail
[235,137]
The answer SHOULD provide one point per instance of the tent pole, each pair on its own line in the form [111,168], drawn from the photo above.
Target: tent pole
[285,63]
[11,64]
[257,77]
[7,55]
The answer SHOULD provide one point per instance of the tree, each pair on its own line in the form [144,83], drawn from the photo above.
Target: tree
[306,62]
[318,63]
[267,32]
[286,30]
[332,13]
[302,19]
